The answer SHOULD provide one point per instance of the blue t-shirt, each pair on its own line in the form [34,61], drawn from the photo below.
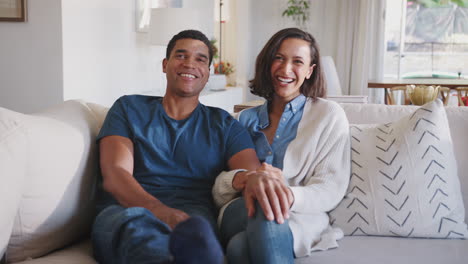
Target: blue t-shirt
[187,153]
[256,119]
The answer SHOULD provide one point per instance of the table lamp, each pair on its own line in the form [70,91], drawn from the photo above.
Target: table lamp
[331,76]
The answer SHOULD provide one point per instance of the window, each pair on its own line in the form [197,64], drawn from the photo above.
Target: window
[426,39]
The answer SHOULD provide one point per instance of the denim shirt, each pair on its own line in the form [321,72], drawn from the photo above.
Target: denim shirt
[256,119]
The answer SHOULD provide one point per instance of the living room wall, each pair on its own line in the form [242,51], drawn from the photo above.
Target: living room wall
[103,55]
[71,49]
[79,49]
[31,59]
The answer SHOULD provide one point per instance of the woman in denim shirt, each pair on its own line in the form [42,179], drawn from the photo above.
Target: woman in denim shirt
[303,142]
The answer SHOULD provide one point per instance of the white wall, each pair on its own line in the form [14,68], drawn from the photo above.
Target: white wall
[207,8]
[79,49]
[31,59]
[103,55]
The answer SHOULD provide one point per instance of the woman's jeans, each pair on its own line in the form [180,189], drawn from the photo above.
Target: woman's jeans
[134,235]
[255,240]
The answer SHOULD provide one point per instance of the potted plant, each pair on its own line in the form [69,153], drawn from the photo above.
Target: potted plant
[222,70]
[298,11]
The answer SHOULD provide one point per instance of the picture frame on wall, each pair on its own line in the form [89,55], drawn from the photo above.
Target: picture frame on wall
[13,10]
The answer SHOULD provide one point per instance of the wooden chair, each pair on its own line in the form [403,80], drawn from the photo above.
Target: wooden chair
[462,92]
[391,92]
[444,94]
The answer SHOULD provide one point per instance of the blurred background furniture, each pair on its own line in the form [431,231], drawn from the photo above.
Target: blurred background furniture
[389,83]
[331,76]
[462,93]
[444,94]
[398,95]
[394,93]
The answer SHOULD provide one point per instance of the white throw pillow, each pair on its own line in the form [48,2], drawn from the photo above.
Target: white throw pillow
[13,146]
[404,179]
[57,202]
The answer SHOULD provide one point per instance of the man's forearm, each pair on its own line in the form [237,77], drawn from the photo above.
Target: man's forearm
[127,191]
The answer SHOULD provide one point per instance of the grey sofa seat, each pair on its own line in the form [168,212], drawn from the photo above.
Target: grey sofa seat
[373,250]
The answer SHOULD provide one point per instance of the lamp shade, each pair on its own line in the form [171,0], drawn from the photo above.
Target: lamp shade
[331,76]
[166,22]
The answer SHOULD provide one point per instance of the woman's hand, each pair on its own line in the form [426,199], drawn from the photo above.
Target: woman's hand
[278,174]
[268,187]
[273,171]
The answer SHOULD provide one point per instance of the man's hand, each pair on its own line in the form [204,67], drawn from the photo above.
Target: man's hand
[168,215]
[268,187]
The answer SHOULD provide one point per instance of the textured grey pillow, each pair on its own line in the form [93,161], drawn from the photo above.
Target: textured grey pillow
[404,179]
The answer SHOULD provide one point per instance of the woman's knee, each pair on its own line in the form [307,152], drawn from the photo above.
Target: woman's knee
[234,220]
[260,224]
[237,250]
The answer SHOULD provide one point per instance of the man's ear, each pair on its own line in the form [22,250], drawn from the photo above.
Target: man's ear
[164,64]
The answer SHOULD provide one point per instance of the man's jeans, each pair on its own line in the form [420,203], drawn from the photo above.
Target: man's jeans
[255,240]
[134,235]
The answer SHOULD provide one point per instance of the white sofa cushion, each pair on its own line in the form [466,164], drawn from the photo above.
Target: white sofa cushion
[56,205]
[80,253]
[13,156]
[404,179]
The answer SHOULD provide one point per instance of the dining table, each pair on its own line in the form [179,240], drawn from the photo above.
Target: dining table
[387,83]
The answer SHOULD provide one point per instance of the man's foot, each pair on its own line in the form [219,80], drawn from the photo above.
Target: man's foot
[193,241]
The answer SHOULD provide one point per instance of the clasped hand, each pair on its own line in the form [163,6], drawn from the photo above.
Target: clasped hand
[169,215]
[267,186]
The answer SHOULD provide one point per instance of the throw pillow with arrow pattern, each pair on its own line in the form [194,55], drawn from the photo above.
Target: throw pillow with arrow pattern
[404,179]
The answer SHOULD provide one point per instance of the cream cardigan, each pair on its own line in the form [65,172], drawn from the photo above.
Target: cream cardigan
[317,169]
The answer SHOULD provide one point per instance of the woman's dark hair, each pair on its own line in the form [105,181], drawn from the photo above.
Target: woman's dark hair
[189,34]
[262,83]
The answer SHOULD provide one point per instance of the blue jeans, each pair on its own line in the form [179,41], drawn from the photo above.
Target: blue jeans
[134,235]
[255,240]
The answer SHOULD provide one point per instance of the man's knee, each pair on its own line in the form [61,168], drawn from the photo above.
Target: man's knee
[118,215]
[194,241]
[118,233]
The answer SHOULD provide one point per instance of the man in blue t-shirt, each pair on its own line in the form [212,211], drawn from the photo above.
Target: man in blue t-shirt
[159,157]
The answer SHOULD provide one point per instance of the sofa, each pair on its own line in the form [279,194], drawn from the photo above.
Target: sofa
[48,168]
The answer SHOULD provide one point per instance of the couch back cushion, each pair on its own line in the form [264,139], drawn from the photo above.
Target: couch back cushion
[56,205]
[13,156]
[458,124]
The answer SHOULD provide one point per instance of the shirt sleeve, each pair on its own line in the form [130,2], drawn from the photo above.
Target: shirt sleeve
[116,122]
[222,191]
[237,139]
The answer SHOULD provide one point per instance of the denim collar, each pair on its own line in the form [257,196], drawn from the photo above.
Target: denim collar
[295,105]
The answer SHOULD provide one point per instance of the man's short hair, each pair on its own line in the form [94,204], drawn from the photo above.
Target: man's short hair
[189,34]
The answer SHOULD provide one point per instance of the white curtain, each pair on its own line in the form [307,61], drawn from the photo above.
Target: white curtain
[352,32]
